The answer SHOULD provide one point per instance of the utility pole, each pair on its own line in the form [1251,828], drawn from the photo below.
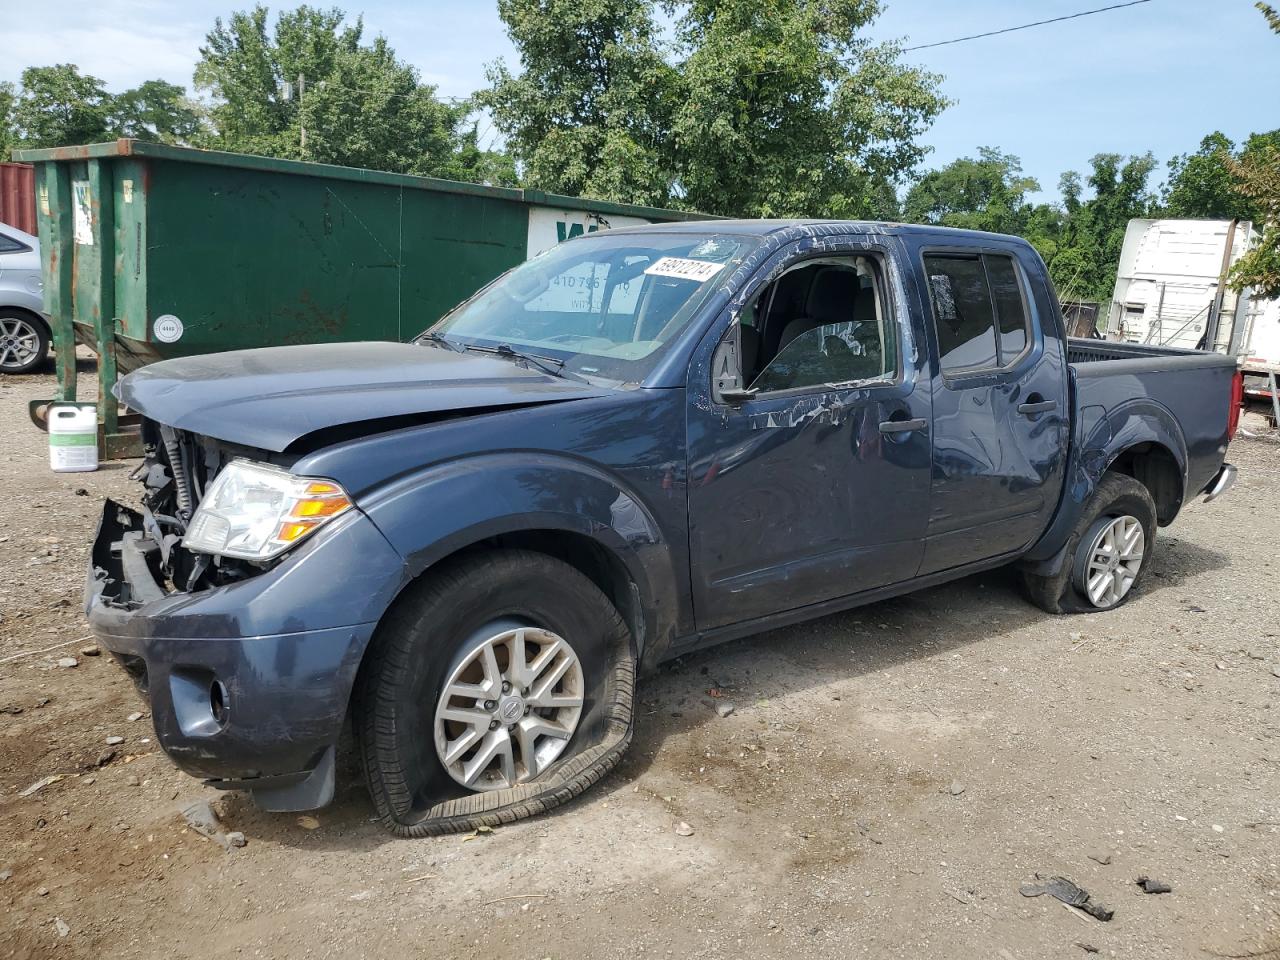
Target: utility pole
[302,116]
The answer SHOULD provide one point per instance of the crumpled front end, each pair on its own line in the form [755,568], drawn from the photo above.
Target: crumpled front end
[248,667]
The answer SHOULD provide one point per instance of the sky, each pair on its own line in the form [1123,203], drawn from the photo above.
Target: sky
[1157,76]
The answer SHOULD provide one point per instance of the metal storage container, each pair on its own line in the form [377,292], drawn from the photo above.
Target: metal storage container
[153,251]
[18,196]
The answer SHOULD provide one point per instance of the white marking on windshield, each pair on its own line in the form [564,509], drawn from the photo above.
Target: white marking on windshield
[682,269]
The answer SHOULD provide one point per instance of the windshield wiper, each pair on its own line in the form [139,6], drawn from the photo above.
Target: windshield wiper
[444,341]
[551,365]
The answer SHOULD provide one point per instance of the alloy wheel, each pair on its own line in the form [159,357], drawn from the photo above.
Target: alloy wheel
[1115,557]
[509,706]
[19,343]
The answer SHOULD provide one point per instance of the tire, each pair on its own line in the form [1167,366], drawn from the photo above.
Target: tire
[415,657]
[24,342]
[1117,496]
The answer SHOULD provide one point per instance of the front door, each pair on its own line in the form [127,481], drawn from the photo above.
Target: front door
[999,407]
[817,486]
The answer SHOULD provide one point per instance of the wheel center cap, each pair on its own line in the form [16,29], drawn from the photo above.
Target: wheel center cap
[511,708]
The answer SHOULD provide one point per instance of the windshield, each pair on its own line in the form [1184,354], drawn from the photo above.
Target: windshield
[602,305]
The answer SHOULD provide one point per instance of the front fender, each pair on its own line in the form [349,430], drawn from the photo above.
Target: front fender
[1102,436]
[433,513]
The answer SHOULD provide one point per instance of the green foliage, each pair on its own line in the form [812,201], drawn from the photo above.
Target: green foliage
[472,164]
[1257,176]
[773,108]
[1272,17]
[988,193]
[1087,241]
[1201,184]
[589,113]
[155,110]
[8,140]
[58,105]
[1079,238]
[358,104]
[786,109]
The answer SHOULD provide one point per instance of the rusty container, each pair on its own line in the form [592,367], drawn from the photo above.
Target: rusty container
[18,196]
[153,251]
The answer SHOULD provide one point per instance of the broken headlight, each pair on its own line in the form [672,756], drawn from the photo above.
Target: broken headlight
[257,512]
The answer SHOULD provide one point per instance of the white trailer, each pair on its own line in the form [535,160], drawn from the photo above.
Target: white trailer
[1170,290]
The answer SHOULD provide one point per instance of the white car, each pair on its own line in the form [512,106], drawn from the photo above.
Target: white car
[24,332]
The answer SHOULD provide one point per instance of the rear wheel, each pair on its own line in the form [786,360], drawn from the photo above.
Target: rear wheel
[1107,554]
[24,342]
[499,688]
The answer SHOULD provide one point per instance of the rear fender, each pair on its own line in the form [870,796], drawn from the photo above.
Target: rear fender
[431,515]
[1102,437]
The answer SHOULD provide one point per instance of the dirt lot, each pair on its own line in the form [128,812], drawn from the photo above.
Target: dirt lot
[887,780]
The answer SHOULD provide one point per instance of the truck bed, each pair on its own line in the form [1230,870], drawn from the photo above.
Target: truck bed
[1081,350]
[1188,391]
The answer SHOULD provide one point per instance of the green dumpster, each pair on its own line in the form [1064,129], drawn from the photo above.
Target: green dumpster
[153,251]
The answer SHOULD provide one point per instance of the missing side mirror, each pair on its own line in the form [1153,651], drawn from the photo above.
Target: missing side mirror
[726,369]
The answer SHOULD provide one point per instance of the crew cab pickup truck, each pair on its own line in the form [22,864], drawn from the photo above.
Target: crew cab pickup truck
[642,442]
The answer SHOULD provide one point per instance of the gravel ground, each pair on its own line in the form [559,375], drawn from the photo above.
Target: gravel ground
[887,780]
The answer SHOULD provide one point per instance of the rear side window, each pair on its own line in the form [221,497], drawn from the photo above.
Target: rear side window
[978,310]
[9,245]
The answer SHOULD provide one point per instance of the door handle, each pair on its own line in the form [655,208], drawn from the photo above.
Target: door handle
[1036,406]
[903,426]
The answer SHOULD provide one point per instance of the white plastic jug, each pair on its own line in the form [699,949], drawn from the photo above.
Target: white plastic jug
[73,437]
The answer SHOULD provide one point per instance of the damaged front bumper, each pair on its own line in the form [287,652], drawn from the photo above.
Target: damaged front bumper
[249,682]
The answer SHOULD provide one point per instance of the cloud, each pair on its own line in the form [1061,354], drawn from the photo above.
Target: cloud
[121,43]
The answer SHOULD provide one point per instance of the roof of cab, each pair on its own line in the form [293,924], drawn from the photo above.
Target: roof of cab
[799,228]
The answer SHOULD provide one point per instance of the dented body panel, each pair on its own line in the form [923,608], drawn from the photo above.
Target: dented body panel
[701,519]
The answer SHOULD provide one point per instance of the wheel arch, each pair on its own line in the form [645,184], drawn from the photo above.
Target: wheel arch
[1139,438]
[30,314]
[567,509]
[618,579]
[1155,466]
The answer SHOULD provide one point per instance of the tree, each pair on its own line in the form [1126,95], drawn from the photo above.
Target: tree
[1257,176]
[58,105]
[787,109]
[312,89]
[1201,184]
[590,112]
[1272,17]
[989,193]
[775,108]
[1089,238]
[473,164]
[155,110]
[8,136]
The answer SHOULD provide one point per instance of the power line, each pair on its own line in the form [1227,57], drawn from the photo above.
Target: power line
[1025,26]
[453,101]
[976,36]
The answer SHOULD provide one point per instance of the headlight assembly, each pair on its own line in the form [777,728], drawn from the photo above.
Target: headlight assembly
[256,512]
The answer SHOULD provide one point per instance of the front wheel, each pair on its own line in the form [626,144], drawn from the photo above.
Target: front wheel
[1108,551]
[499,688]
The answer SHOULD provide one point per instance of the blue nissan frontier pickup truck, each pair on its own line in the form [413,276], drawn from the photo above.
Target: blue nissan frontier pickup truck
[642,442]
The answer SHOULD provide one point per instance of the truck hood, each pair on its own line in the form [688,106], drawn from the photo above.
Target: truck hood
[272,397]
